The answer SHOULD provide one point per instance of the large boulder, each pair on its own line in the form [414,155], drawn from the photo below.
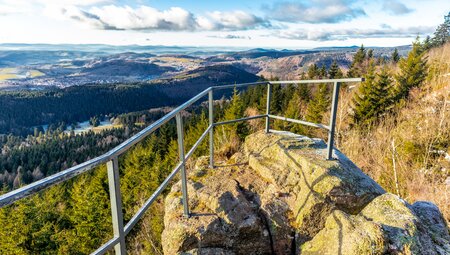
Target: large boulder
[297,165]
[279,195]
[387,225]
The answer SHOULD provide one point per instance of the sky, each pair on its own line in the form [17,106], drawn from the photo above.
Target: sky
[225,23]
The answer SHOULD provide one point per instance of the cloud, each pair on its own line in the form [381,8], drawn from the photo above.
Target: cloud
[112,17]
[232,20]
[230,36]
[395,7]
[344,34]
[315,11]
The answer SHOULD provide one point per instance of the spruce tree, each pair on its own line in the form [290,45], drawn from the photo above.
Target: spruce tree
[313,71]
[442,33]
[413,71]
[318,105]
[335,71]
[304,92]
[323,72]
[395,56]
[373,98]
[358,67]
[370,54]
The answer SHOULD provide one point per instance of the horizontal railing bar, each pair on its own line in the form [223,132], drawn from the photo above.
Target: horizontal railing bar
[149,201]
[239,85]
[300,122]
[318,81]
[145,132]
[196,144]
[107,246]
[241,119]
[37,186]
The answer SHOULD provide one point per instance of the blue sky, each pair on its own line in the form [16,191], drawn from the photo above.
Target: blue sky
[234,23]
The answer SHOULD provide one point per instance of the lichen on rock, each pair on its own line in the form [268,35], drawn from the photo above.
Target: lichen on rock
[281,196]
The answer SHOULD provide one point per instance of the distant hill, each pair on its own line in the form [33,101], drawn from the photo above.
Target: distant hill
[123,67]
[190,83]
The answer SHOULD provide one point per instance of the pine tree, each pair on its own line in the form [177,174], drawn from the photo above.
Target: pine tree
[304,92]
[335,71]
[442,33]
[373,98]
[370,54]
[359,65]
[313,71]
[427,44]
[323,72]
[395,56]
[318,105]
[360,55]
[413,71]
[276,102]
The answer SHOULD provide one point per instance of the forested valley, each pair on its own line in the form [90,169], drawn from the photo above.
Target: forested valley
[397,117]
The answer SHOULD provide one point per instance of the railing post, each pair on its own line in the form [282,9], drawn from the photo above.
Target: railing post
[180,134]
[334,105]
[269,92]
[116,204]
[211,131]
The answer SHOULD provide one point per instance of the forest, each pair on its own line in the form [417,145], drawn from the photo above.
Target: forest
[24,109]
[394,126]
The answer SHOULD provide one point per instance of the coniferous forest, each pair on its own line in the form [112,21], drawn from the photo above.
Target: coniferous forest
[397,117]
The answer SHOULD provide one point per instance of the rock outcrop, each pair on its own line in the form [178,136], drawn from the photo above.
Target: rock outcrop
[280,196]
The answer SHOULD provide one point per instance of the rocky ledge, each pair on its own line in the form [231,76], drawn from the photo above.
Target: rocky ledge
[280,196]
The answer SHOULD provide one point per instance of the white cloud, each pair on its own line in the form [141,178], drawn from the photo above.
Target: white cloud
[344,34]
[395,7]
[112,17]
[315,11]
[233,20]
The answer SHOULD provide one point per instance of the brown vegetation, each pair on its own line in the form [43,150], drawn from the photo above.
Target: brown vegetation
[412,144]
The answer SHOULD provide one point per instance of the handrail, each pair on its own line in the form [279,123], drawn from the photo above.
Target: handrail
[111,157]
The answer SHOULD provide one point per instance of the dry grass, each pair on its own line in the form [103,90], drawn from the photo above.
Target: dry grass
[420,132]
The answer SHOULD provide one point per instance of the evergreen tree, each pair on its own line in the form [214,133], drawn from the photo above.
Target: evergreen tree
[373,98]
[359,64]
[360,55]
[318,105]
[276,102]
[427,43]
[235,110]
[335,71]
[91,213]
[413,71]
[370,54]
[395,56]
[304,92]
[323,72]
[442,33]
[313,71]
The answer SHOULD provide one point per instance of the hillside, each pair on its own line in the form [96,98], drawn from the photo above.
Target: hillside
[415,137]
[24,109]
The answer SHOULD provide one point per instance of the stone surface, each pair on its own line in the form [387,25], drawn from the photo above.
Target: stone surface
[297,166]
[280,196]
[346,234]
[417,229]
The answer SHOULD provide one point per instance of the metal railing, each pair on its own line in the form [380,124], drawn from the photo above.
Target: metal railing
[111,158]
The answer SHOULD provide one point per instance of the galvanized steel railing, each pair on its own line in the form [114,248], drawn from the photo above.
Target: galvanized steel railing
[111,157]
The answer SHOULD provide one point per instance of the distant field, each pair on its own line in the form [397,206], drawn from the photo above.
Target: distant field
[7,76]
[16,73]
[36,73]
[106,127]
